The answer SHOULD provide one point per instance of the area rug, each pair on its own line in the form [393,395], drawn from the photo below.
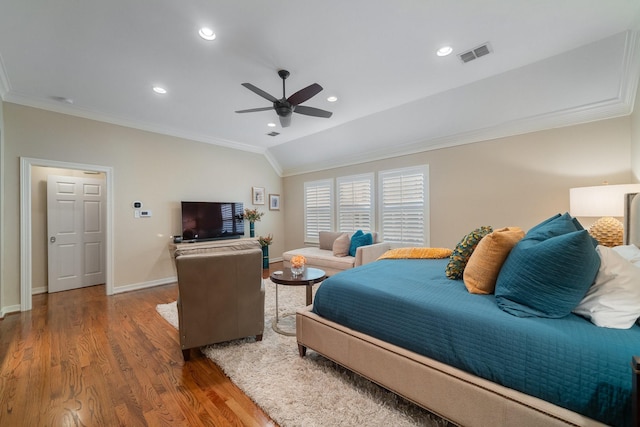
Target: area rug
[310,391]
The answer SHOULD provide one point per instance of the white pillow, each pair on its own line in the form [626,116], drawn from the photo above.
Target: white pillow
[629,252]
[613,301]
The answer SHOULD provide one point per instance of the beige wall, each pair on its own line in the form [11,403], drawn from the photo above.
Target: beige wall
[518,180]
[156,169]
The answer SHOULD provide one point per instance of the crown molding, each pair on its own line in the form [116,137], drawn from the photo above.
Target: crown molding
[608,109]
[4,81]
[620,105]
[75,111]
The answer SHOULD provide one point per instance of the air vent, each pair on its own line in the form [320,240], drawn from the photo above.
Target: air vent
[475,53]
[273,133]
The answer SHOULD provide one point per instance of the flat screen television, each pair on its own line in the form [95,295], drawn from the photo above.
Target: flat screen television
[202,221]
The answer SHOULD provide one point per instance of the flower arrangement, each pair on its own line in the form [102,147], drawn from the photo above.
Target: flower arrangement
[298,261]
[265,240]
[252,215]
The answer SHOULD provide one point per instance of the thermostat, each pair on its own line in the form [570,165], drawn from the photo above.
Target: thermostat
[137,205]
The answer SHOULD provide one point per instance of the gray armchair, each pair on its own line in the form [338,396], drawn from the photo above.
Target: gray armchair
[221,296]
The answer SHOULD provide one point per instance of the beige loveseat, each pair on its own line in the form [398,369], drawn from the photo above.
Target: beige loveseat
[323,257]
[221,293]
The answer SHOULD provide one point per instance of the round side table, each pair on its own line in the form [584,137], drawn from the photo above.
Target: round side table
[308,278]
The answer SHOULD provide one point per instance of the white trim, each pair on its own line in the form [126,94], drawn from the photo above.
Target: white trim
[3,310]
[9,310]
[26,165]
[4,80]
[145,285]
[57,107]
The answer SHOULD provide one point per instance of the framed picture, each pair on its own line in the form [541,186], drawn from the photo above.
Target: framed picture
[257,195]
[274,202]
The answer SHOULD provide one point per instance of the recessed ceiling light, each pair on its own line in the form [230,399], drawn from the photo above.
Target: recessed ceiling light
[160,90]
[207,33]
[271,125]
[444,51]
[332,98]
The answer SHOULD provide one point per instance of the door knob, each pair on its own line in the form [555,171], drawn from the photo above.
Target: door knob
[52,239]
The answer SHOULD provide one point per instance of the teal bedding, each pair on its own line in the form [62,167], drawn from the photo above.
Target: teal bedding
[410,303]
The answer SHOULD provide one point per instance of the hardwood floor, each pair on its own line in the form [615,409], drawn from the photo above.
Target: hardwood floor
[80,358]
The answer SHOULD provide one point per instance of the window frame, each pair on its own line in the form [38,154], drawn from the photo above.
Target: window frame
[406,236]
[353,208]
[313,237]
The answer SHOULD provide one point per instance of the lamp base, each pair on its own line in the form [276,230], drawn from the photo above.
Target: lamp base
[607,231]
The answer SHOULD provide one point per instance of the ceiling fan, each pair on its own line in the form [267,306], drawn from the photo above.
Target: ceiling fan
[286,106]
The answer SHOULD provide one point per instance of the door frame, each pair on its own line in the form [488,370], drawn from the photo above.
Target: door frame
[26,164]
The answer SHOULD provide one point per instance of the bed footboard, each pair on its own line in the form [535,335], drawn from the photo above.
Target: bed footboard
[435,386]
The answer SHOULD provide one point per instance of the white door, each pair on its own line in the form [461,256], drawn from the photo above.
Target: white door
[75,226]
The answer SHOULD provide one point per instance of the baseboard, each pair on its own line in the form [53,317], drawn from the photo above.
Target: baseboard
[144,285]
[8,310]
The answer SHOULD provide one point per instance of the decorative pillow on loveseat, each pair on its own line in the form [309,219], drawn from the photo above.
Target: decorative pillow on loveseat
[326,239]
[341,245]
[549,271]
[358,239]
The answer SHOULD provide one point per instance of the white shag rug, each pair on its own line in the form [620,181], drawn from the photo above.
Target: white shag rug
[310,391]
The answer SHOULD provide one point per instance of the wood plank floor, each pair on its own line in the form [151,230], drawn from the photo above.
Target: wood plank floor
[80,358]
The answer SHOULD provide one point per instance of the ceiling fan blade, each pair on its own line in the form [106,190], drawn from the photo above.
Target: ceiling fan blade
[310,111]
[285,121]
[253,110]
[304,94]
[260,92]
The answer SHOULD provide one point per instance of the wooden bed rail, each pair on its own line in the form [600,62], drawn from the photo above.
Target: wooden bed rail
[635,365]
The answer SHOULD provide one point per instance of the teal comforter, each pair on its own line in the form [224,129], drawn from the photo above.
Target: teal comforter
[410,303]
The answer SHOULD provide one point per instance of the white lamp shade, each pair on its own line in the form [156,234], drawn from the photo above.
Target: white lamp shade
[599,201]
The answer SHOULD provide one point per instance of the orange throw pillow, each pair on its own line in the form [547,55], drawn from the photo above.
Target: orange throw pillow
[481,272]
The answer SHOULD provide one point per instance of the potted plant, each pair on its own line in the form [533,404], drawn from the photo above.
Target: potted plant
[252,215]
[265,241]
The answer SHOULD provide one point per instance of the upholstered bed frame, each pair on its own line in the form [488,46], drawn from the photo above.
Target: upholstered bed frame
[451,393]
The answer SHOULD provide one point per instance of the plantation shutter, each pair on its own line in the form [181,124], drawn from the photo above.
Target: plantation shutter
[318,197]
[355,203]
[403,206]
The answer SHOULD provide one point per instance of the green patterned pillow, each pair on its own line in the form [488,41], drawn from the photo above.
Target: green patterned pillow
[461,254]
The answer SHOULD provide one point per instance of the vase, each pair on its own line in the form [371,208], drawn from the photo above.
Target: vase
[297,270]
[265,257]
[252,229]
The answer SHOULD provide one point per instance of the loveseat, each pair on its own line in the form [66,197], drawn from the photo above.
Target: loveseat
[330,254]
[221,292]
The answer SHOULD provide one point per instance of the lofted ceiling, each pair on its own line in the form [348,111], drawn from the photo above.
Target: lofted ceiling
[552,63]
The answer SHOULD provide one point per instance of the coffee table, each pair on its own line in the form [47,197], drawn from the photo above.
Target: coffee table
[308,278]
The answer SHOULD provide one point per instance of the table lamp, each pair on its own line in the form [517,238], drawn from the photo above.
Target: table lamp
[604,202]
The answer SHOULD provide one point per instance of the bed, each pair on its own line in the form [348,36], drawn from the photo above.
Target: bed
[467,360]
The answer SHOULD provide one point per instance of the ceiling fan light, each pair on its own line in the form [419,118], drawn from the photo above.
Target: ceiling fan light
[444,51]
[207,33]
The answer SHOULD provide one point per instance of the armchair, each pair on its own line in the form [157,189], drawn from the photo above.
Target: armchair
[221,296]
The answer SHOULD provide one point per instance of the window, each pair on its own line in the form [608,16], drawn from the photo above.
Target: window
[355,203]
[318,209]
[404,202]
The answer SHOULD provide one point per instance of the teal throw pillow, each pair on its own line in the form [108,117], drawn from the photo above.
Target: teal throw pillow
[358,239]
[547,274]
[463,250]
